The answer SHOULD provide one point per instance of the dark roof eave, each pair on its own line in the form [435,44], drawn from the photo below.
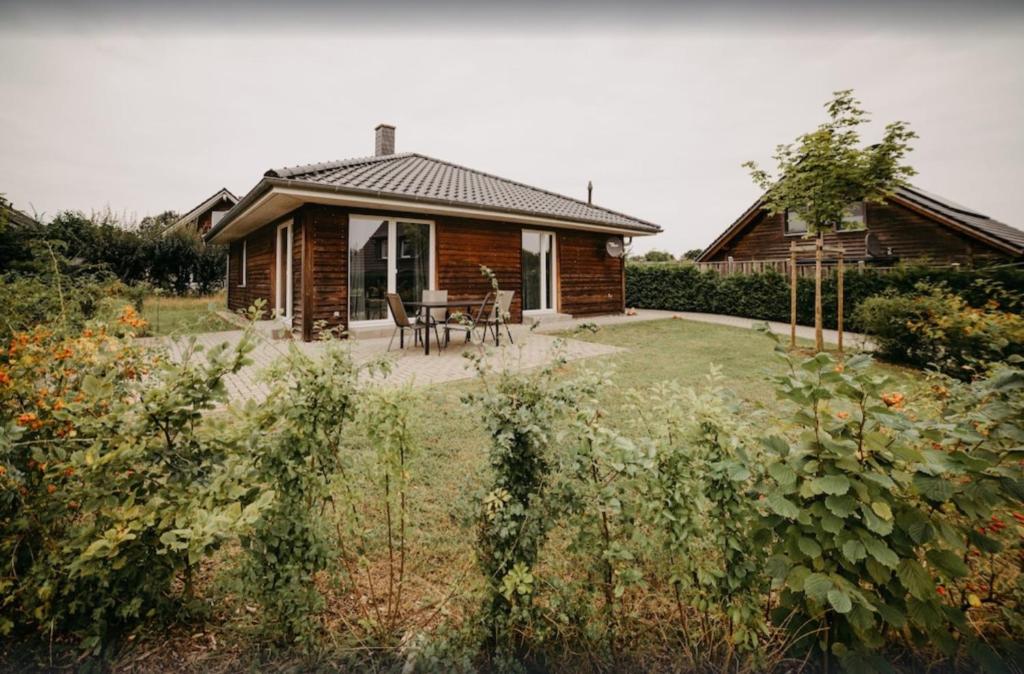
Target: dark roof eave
[268,183]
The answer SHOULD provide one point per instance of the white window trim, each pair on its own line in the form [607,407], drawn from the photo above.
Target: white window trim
[550,237]
[244,264]
[287,315]
[392,260]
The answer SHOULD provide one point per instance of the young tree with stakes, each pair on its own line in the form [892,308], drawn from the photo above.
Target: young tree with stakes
[826,170]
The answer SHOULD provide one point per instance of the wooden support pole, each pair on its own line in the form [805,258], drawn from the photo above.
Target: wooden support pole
[819,337]
[792,295]
[839,300]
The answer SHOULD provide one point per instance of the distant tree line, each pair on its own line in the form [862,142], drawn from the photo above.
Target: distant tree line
[665,256]
[105,244]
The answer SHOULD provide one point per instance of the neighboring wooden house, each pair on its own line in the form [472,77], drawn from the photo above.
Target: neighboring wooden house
[207,214]
[912,225]
[14,218]
[328,241]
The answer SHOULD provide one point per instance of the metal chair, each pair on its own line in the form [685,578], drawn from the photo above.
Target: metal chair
[436,316]
[402,322]
[500,313]
[468,322]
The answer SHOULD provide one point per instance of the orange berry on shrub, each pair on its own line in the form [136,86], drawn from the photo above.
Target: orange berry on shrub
[50,488]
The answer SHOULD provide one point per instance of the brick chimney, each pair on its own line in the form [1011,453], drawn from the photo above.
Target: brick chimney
[385,142]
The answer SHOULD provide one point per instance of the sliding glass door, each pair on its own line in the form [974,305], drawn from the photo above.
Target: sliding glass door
[538,271]
[387,255]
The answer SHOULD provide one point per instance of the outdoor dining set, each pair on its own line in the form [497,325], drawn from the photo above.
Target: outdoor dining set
[436,313]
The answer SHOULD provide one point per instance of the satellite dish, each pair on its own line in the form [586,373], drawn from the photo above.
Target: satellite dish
[613,246]
[874,248]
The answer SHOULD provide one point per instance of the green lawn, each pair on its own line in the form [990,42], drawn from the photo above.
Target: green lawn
[184,315]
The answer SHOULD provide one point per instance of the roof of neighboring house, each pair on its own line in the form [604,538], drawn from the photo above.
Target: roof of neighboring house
[205,205]
[417,178]
[15,217]
[965,220]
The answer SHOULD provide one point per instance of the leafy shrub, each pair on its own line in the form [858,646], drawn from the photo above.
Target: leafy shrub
[936,328]
[876,513]
[102,243]
[519,411]
[113,482]
[298,436]
[765,296]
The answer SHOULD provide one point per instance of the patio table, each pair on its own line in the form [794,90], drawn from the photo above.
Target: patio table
[426,305]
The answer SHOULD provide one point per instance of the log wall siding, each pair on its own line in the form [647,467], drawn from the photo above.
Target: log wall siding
[328,237]
[590,280]
[911,236]
[259,261]
[463,245]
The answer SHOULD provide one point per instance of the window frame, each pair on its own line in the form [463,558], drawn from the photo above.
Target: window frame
[244,264]
[863,220]
[391,250]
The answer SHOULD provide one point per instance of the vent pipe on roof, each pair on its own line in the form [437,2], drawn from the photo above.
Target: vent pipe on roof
[590,192]
[385,140]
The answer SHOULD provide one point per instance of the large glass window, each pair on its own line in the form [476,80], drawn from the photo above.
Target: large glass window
[367,269]
[853,219]
[538,271]
[412,266]
[385,256]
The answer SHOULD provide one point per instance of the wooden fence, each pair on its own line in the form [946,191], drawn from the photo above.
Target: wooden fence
[804,268]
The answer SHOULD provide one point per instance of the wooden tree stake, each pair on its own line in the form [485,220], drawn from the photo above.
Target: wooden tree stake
[792,295]
[839,299]
[819,338]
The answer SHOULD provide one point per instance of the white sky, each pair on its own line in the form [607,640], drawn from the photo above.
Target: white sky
[660,119]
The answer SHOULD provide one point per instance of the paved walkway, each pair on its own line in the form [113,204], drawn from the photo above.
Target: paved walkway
[409,365]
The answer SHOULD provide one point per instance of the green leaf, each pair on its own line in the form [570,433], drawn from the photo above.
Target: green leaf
[840,601]
[817,586]
[916,579]
[854,551]
[881,552]
[934,489]
[783,474]
[836,485]
[780,505]
[882,509]
[809,547]
[841,506]
[948,562]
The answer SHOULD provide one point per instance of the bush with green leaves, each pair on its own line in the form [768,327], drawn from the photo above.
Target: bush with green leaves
[936,328]
[520,411]
[875,512]
[602,505]
[115,483]
[700,503]
[765,296]
[298,438]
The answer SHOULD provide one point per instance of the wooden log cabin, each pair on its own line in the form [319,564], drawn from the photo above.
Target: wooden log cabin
[207,213]
[326,242]
[911,226]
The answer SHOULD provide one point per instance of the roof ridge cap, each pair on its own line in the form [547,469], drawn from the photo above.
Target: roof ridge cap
[531,187]
[290,171]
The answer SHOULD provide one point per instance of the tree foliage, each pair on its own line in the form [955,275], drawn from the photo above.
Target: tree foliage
[826,170]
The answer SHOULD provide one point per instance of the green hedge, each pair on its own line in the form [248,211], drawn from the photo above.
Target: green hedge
[765,296]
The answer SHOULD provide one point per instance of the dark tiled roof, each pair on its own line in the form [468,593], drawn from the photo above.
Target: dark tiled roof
[414,176]
[983,224]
